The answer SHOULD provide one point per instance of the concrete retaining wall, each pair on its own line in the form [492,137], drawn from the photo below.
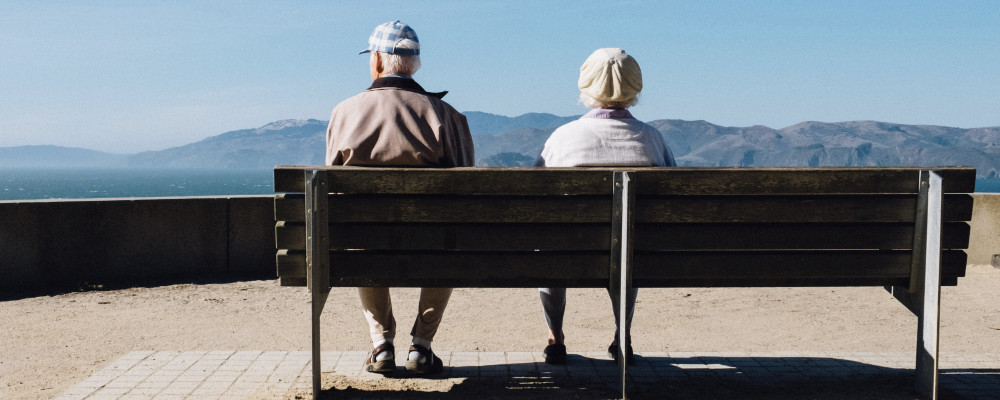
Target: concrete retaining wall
[135,241]
[141,241]
[984,240]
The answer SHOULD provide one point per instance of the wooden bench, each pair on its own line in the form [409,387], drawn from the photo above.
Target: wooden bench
[901,228]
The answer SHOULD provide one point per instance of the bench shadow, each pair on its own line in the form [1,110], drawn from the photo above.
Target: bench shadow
[61,288]
[667,378]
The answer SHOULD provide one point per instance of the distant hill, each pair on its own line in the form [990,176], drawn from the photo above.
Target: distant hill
[854,143]
[481,123]
[517,141]
[527,142]
[292,142]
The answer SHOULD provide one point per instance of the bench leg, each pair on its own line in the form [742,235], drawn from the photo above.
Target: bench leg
[923,297]
[930,315]
[317,260]
[621,264]
[318,300]
[927,337]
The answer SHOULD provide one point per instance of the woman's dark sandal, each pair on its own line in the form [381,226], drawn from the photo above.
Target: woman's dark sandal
[629,356]
[555,354]
[387,365]
[432,364]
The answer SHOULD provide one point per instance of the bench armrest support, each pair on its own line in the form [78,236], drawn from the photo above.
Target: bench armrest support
[923,296]
[622,226]
[928,327]
[317,258]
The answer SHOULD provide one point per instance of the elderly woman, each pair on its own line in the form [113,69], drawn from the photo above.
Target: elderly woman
[607,135]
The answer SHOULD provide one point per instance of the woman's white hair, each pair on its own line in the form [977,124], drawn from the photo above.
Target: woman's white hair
[397,64]
[590,102]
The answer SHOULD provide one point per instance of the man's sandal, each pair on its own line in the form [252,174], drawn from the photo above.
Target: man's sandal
[387,365]
[431,365]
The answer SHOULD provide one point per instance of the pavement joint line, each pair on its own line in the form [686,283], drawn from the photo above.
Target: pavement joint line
[225,374]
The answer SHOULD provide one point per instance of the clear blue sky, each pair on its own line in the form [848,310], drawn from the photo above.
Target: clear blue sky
[128,76]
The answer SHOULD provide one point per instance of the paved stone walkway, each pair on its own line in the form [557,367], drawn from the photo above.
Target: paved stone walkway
[163,375]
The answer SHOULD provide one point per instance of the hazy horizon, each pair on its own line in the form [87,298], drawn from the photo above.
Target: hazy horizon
[508,116]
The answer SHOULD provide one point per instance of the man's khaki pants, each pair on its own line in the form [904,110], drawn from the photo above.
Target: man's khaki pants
[377,305]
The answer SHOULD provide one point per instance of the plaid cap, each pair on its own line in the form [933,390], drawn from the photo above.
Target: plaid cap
[387,36]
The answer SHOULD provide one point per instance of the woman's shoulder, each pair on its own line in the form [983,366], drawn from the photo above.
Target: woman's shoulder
[573,127]
[639,124]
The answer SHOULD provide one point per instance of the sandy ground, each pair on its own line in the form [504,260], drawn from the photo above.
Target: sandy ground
[49,343]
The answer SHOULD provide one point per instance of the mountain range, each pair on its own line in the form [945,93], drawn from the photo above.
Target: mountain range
[517,141]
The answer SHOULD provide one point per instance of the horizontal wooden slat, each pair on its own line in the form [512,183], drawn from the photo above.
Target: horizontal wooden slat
[289,235]
[458,269]
[537,181]
[753,236]
[788,236]
[291,263]
[664,209]
[471,209]
[791,268]
[455,236]
[549,209]
[290,207]
[289,179]
[792,208]
[956,207]
[590,269]
[797,180]
[686,180]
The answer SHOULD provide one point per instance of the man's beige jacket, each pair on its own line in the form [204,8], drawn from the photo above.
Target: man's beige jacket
[396,123]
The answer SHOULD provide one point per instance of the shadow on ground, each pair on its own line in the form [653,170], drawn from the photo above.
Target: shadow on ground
[60,288]
[665,378]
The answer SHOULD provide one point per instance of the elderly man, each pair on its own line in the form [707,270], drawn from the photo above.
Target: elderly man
[395,122]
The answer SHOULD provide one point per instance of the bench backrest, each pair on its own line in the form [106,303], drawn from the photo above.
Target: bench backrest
[529,227]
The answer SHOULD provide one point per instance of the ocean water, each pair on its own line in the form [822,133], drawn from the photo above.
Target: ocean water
[78,183]
[27,184]
[988,185]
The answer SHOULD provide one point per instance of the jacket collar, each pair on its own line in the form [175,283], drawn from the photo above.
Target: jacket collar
[409,85]
[608,113]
